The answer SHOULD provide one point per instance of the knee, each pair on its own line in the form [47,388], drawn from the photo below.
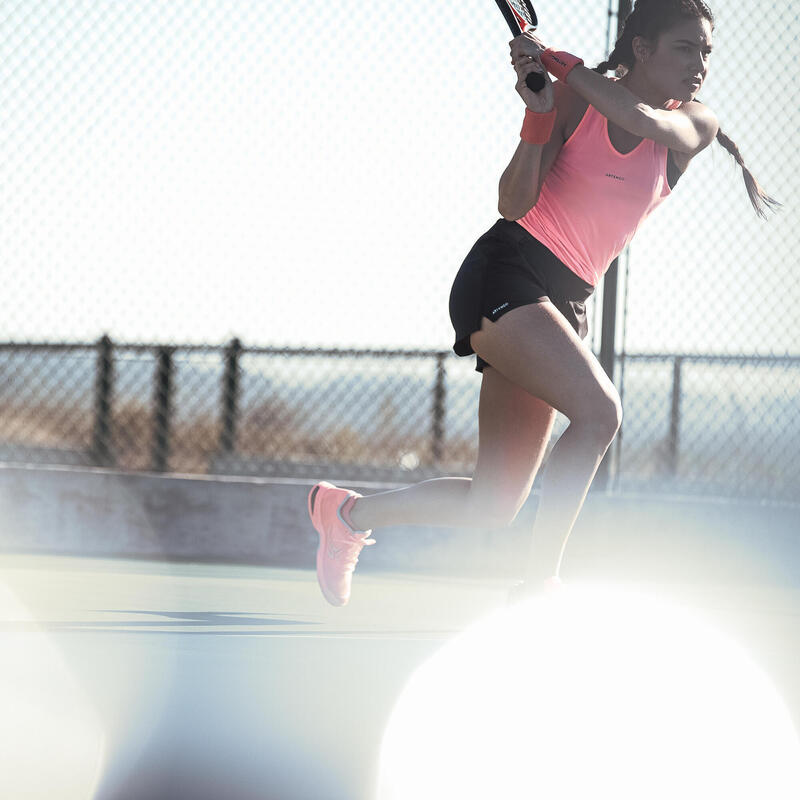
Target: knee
[604,418]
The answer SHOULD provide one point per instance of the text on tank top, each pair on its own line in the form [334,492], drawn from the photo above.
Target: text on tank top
[594,198]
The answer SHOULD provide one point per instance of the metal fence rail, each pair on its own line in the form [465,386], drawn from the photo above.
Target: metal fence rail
[727,425]
[161,183]
[391,415]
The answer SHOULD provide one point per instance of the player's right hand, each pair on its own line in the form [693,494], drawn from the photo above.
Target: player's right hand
[542,101]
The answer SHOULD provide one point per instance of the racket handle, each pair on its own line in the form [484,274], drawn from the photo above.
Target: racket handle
[535,81]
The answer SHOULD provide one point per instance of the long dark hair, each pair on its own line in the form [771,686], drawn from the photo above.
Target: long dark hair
[651,18]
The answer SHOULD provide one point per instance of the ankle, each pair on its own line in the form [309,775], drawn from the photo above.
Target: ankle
[347,514]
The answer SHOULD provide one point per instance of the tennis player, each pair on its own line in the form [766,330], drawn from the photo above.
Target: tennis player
[597,155]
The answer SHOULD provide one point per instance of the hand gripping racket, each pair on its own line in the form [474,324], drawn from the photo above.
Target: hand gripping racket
[521,18]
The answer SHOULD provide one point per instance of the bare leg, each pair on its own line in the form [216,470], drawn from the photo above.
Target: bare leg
[568,475]
[439,501]
[535,347]
[514,429]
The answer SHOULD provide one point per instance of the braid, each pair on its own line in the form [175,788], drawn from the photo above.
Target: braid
[760,200]
[622,54]
[649,19]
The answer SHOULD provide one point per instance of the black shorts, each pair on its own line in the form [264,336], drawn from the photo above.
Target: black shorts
[508,268]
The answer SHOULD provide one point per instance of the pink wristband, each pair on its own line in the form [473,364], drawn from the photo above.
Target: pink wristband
[559,63]
[536,128]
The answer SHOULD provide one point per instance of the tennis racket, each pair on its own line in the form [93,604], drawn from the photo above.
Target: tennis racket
[521,18]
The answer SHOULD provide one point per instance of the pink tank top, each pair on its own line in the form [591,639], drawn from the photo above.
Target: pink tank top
[594,198]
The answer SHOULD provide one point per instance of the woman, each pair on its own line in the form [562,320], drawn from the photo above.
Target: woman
[596,156]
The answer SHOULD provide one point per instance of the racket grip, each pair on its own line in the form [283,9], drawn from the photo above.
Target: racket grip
[535,81]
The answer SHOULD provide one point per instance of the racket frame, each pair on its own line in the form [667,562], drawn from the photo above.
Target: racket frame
[519,24]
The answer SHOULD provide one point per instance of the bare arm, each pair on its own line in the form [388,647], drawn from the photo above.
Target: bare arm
[520,182]
[522,179]
[687,129]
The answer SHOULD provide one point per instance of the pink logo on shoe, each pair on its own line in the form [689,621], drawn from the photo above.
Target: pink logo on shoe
[333,551]
[339,545]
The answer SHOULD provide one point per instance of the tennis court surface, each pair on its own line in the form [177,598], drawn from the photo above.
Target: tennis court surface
[145,679]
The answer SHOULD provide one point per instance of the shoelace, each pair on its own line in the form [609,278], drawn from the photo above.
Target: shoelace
[352,549]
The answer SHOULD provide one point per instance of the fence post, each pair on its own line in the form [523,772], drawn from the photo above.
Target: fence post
[675,416]
[163,408]
[439,393]
[609,325]
[101,444]
[230,397]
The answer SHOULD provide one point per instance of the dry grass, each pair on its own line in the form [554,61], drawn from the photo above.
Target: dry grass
[271,431]
[44,425]
[274,432]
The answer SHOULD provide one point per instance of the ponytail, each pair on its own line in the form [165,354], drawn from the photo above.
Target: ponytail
[649,19]
[622,59]
[758,197]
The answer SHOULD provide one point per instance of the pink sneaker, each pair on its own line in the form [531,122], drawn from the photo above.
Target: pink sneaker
[339,545]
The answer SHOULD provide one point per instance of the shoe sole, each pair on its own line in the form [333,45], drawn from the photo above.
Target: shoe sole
[332,599]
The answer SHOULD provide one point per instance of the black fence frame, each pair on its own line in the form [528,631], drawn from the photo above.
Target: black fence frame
[163,389]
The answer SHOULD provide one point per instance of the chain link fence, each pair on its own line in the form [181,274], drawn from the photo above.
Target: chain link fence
[300,197]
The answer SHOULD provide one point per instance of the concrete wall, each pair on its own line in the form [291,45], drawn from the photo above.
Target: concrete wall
[71,510]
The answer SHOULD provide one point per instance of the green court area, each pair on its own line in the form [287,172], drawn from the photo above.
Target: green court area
[146,679]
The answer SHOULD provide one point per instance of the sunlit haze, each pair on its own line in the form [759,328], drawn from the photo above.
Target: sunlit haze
[598,692]
[188,172]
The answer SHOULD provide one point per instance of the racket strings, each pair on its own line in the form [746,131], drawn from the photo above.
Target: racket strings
[521,10]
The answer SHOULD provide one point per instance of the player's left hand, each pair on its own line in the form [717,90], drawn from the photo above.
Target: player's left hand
[542,101]
[525,48]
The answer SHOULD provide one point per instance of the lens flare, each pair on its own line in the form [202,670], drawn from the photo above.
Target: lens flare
[597,692]
[52,743]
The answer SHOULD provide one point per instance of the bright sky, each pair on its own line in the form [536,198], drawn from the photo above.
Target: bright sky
[189,171]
